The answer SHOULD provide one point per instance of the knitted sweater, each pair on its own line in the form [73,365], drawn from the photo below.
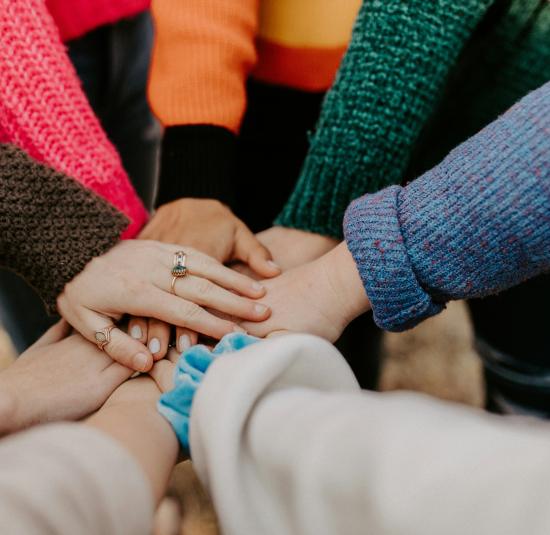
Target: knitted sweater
[474,225]
[204,53]
[74,18]
[418,79]
[50,225]
[44,111]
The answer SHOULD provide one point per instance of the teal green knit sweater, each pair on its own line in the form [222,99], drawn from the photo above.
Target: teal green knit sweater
[419,77]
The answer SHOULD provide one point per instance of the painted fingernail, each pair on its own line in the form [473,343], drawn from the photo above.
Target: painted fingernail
[238,329]
[260,309]
[154,345]
[258,287]
[184,342]
[135,332]
[141,360]
[274,265]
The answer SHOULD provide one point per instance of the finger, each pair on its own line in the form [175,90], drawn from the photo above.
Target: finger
[54,334]
[122,348]
[137,329]
[173,355]
[181,313]
[185,339]
[163,374]
[250,251]
[158,338]
[206,267]
[207,294]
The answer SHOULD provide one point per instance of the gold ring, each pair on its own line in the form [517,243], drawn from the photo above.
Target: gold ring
[103,336]
[179,269]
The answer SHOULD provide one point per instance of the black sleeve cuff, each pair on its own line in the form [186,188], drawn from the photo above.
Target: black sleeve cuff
[197,161]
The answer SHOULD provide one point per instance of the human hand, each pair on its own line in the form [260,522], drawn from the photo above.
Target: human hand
[134,277]
[320,298]
[57,378]
[292,247]
[210,227]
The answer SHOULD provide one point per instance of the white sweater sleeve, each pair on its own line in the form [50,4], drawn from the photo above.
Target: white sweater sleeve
[287,443]
[67,479]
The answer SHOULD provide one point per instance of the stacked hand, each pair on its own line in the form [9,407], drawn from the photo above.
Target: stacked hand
[320,298]
[134,277]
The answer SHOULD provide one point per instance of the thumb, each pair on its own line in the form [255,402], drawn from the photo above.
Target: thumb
[249,250]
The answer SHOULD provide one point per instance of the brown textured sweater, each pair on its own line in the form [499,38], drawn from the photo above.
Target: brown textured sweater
[50,225]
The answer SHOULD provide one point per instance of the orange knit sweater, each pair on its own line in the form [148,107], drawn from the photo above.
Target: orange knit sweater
[206,49]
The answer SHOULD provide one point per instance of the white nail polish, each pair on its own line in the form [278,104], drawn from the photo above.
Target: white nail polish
[258,287]
[273,264]
[184,342]
[154,345]
[135,332]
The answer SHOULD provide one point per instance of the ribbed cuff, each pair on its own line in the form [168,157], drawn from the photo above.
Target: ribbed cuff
[374,238]
[197,161]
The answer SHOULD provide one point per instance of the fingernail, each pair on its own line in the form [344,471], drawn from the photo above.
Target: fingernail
[184,342]
[141,360]
[274,265]
[260,309]
[258,287]
[135,332]
[154,345]
[238,329]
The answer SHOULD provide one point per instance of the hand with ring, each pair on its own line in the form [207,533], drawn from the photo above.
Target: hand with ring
[137,278]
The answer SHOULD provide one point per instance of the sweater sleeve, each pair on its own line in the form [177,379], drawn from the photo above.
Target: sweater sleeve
[44,111]
[389,82]
[286,442]
[204,51]
[474,225]
[64,479]
[50,225]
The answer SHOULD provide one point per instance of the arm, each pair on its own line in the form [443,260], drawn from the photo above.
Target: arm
[50,225]
[474,225]
[389,82]
[203,53]
[286,443]
[104,476]
[44,111]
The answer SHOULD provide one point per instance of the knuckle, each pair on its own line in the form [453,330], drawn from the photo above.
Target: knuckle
[204,288]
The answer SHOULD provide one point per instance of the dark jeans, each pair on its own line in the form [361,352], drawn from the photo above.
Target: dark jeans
[113,64]
[513,339]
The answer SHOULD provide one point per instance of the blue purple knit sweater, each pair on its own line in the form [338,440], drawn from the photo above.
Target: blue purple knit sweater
[476,224]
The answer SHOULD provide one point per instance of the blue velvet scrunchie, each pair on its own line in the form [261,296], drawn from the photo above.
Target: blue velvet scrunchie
[175,405]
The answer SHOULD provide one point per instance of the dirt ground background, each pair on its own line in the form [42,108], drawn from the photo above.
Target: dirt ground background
[436,358]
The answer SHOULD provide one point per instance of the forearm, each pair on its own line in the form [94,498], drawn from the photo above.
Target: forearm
[304,451]
[388,85]
[203,53]
[82,482]
[143,433]
[474,225]
[50,225]
[45,112]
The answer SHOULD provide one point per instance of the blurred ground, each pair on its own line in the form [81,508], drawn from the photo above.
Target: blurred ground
[435,358]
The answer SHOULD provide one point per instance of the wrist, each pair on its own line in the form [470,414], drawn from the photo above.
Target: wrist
[343,276]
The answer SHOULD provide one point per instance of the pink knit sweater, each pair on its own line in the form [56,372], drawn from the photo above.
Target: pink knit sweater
[77,17]
[44,111]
